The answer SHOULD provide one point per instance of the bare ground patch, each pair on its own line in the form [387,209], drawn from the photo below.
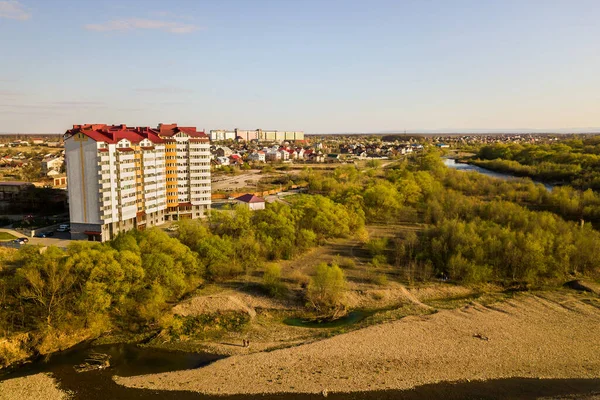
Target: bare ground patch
[528,336]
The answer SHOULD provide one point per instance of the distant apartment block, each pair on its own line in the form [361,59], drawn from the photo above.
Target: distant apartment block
[122,178]
[258,135]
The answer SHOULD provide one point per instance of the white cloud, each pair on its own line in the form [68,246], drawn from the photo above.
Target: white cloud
[14,10]
[129,24]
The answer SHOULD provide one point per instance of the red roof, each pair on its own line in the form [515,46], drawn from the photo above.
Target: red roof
[167,130]
[250,198]
[114,133]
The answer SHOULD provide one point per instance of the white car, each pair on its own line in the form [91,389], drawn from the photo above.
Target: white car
[63,228]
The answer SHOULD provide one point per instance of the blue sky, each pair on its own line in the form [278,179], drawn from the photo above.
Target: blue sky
[318,66]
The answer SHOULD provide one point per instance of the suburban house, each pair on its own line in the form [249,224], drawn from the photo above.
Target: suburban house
[235,159]
[273,155]
[284,155]
[223,161]
[223,151]
[52,164]
[251,201]
[258,156]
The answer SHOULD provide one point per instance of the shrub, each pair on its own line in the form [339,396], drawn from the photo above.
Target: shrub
[272,281]
[379,260]
[380,279]
[347,262]
[299,278]
[326,289]
[377,246]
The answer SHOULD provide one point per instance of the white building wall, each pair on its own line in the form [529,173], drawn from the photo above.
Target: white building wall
[84,187]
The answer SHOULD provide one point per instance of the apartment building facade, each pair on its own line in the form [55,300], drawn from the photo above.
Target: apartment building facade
[122,178]
[257,134]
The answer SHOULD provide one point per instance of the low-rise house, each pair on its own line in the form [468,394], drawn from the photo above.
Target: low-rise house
[251,201]
[284,155]
[59,181]
[223,161]
[52,164]
[223,151]
[273,155]
[235,159]
[258,156]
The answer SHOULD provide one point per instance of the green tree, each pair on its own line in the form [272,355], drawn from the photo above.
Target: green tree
[326,290]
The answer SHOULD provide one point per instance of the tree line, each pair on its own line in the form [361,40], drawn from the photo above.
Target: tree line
[575,162]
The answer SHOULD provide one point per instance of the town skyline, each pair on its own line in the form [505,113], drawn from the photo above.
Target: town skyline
[321,67]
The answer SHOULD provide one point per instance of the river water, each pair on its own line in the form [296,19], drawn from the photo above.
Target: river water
[451,163]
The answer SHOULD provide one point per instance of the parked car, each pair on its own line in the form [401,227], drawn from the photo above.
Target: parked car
[44,234]
[24,239]
[19,241]
[64,228]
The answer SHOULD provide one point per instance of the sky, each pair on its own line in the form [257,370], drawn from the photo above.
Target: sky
[321,66]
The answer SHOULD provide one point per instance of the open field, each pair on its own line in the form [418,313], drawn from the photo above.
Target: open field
[549,335]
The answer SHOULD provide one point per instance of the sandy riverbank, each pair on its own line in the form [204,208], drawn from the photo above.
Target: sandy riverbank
[32,387]
[549,336]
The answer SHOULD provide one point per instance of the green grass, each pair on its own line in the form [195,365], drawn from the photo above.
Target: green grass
[5,236]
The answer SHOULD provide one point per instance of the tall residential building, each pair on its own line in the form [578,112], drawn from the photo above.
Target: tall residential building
[121,178]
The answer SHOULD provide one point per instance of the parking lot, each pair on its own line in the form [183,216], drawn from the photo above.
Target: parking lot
[60,239]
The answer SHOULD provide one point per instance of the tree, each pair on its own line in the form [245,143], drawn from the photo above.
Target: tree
[325,292]
[32,171]
[45,281]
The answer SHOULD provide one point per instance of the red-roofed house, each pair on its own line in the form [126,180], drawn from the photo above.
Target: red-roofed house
[235,159]
[251,201]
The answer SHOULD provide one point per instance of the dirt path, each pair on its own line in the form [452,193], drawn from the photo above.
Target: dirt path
[554,336]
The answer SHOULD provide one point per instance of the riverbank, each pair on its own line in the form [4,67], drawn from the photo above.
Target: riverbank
[548,336]
[33,387]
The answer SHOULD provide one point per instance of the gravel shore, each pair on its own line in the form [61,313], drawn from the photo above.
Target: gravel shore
[550,336]
[32,387]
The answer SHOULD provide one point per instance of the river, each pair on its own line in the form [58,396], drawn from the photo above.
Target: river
[451,163]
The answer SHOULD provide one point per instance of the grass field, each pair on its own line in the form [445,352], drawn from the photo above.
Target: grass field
[4,236]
